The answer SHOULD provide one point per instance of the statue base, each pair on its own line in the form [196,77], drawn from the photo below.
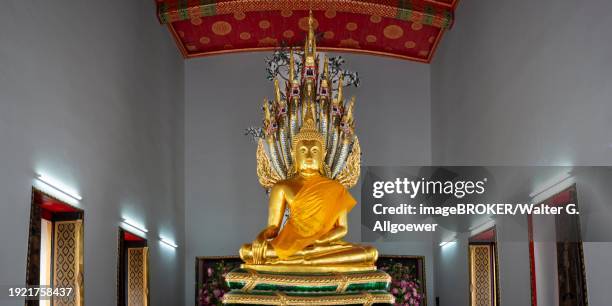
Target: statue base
[257,287]
[308,269]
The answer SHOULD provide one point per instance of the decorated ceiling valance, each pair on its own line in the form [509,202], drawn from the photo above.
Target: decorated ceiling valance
[409,29]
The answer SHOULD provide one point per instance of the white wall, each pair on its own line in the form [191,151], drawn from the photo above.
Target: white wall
[90,92]
[512,88]
[527,83]
[225,206]
[452,272]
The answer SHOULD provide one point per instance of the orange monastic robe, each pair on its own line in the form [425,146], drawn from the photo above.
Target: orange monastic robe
[314,212]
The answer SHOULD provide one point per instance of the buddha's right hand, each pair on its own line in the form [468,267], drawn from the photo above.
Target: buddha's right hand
[260,244]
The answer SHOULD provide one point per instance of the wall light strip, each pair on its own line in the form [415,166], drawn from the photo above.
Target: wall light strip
[447,243]
[55,184]
[167,242]
[131,225]
[553,190]
[450,242]
[557,185]
[551,183]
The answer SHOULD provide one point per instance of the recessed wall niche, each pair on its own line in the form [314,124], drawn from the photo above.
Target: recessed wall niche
[132,269]
[55,248]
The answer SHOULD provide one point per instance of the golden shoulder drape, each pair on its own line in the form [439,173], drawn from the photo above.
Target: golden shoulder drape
[314,212]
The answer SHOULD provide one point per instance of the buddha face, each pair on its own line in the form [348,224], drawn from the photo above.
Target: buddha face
[308,156]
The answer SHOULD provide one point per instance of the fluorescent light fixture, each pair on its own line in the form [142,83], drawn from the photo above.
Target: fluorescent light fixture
[447,243]
[168,242]
[549,184]
[133,226]
[482,227]
[58,186]
[552,187]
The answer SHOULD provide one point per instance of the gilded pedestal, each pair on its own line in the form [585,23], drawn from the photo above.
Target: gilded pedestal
[307,288]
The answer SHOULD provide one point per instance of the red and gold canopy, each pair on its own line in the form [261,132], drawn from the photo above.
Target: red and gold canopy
[409,29]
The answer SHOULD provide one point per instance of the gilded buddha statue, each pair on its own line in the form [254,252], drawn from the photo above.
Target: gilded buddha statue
[313,232]
[308,156]
[304,170]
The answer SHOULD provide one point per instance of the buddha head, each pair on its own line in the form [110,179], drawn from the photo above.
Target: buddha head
[308,149]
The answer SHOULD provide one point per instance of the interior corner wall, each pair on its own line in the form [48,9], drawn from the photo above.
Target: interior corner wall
[452,273]
[526,83]
[225,206]
[91,94]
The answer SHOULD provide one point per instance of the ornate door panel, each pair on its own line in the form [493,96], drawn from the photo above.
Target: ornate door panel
[137,280]
[68,262]
[482,276]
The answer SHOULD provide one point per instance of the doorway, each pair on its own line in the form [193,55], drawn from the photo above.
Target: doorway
[133,270]
[55,249]
[556,256]
[483,268]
